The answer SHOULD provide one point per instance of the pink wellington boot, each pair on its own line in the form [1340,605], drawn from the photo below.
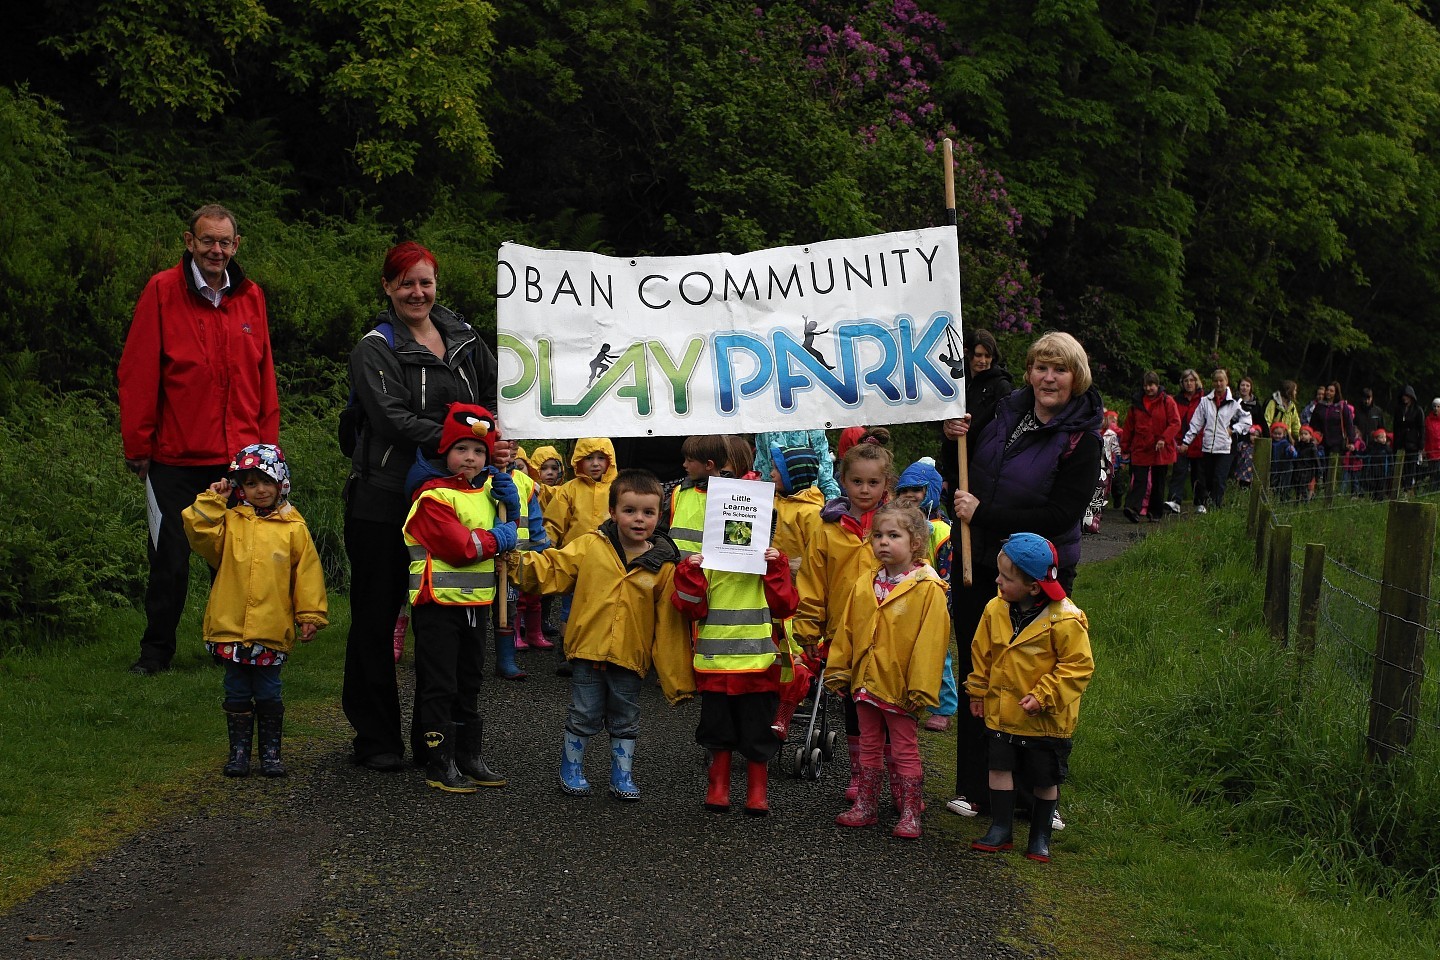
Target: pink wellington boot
[532,621]
[867,797]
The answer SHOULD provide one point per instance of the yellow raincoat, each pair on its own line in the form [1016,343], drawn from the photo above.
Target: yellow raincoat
[268,573]
[1050,659]
[580,504]
[622,613]
[893,648]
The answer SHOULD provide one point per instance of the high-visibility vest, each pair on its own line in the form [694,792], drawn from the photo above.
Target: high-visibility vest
[526,488]
[939,536]
[471,585]
[736,634]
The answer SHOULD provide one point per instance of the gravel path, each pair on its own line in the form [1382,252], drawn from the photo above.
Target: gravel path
[338,862]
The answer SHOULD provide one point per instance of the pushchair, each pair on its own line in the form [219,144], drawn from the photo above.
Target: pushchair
[805,754]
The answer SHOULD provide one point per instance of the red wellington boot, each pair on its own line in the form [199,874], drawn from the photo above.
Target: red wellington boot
[717,796]
[757,803]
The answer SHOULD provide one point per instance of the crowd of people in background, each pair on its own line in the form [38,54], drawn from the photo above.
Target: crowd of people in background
[1210,436]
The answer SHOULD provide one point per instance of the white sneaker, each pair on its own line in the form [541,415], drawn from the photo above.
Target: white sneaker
[1055,822]
[1172,505]
[962,807]
[1201,509]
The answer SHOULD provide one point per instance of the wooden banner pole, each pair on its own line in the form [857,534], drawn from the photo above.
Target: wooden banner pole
[967,568]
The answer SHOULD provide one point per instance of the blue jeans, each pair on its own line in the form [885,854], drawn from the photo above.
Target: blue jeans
[600,699]
[244,683]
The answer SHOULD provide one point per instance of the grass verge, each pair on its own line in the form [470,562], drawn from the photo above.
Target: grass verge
[92,753]
[1216,803]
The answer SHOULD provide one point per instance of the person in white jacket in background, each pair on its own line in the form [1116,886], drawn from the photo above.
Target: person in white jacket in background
[1217,422]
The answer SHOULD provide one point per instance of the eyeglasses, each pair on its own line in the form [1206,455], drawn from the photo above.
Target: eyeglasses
[226,244]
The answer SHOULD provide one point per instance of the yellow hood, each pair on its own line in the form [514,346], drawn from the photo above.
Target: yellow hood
[588,445]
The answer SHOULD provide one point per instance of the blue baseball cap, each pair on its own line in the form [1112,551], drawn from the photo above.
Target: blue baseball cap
[1038,558]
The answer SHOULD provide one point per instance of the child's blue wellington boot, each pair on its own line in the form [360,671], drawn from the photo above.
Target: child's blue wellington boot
[572,766]
[622,762]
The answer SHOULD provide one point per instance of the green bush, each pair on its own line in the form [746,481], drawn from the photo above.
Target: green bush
[75,519]
[74,543]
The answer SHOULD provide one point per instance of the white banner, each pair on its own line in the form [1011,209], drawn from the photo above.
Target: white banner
[829,335]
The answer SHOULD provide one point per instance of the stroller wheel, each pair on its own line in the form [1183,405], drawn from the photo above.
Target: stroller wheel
[797,763]
[813,740]
[817,763]
[828,745]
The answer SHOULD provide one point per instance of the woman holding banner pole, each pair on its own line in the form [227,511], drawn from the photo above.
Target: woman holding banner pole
[1034,463]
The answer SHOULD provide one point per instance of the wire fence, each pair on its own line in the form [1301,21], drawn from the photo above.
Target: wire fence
[1366,655]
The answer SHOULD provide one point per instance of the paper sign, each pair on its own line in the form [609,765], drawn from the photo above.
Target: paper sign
[737,524]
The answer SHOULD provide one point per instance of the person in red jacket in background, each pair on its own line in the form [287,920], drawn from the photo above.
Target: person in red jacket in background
[197,383]
[1148,440]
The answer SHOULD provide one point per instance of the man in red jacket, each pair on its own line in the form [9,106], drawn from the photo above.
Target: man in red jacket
[197,384]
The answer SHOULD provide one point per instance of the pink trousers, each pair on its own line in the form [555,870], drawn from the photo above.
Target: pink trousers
[904,745]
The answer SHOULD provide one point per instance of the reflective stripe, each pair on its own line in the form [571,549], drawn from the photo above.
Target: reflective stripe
[739,618]
[417,552]
[687,534]
[716,647]
[688,597]
[462,580]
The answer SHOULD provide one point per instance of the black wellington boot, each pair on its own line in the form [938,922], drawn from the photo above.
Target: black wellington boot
[468,756]
[440,770]
[1042,821]
[270,718]
[240,724]
[1002,823]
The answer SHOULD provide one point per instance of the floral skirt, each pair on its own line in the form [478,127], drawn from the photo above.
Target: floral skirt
[1244,461]
[244,652]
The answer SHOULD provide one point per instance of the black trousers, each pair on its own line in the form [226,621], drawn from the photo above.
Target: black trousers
[967,605]
[1154,477]
[449,652]
[175,489]
[379,572]
[739,722]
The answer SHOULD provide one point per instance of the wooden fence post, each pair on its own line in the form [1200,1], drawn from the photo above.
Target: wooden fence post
[1400,636]
[1332,477]
[1260,485]
[1396,486]
[1277,585]
[1312,580]
[1262,536]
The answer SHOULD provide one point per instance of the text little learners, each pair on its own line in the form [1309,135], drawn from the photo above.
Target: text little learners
[737,524]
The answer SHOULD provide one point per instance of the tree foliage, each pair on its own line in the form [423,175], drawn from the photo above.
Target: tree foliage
[389,78]
[1178,182]
[1215,182]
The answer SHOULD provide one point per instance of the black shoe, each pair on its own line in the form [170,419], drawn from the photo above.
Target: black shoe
[382,762]
[147,668]
[1131,515]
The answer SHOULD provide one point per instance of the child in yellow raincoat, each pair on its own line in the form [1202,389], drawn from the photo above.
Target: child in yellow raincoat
[888,655]
[268,579]
[1032,662]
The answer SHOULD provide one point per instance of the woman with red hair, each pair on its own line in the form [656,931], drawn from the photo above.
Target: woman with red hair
[417,359]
